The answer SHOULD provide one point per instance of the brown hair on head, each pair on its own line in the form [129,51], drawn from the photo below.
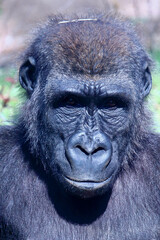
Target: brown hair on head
[93,45]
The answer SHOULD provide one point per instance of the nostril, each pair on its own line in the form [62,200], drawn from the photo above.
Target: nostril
[82,149]
[98,150]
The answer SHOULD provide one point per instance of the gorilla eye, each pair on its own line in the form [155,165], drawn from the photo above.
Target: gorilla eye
[113,104]
[71,102]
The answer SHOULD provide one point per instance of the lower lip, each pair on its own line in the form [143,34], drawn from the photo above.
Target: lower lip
[88,185]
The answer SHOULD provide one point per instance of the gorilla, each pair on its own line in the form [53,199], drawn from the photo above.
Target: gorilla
[80,161]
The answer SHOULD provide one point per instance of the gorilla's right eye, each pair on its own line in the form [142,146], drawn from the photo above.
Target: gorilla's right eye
[71,102]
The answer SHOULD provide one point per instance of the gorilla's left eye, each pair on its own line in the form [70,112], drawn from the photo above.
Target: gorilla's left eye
[113,103]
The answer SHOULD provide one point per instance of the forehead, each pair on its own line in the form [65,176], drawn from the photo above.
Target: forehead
[91,46]
[99,85]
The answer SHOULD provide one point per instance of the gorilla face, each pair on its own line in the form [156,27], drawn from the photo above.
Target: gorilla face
[87,120]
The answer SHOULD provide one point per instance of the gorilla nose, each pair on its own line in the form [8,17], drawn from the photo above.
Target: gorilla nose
[93,151]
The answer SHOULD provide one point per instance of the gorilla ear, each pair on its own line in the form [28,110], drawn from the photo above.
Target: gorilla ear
[27,75]
[147,81]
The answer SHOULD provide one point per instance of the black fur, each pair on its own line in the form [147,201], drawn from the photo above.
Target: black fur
[89,56]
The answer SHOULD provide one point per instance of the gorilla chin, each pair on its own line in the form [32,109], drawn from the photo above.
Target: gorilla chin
[88,189]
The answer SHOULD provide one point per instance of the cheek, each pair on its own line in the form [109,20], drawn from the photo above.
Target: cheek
[59,129]
[122,141]
[58,152]
[63,123]
[114,124]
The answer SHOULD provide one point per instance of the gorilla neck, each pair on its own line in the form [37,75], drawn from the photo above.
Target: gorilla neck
[78,210]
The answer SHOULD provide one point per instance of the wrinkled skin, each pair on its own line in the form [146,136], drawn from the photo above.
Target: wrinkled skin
[79,163]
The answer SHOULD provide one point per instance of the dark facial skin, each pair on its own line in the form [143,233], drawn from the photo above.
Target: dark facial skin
[86,119]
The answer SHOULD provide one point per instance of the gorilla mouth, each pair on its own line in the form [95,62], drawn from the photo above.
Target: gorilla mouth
[88,184]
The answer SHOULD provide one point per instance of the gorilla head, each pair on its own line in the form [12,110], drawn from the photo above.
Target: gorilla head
[86,80]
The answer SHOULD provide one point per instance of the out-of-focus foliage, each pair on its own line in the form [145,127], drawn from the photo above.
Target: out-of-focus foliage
[9,97]
[154,99]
